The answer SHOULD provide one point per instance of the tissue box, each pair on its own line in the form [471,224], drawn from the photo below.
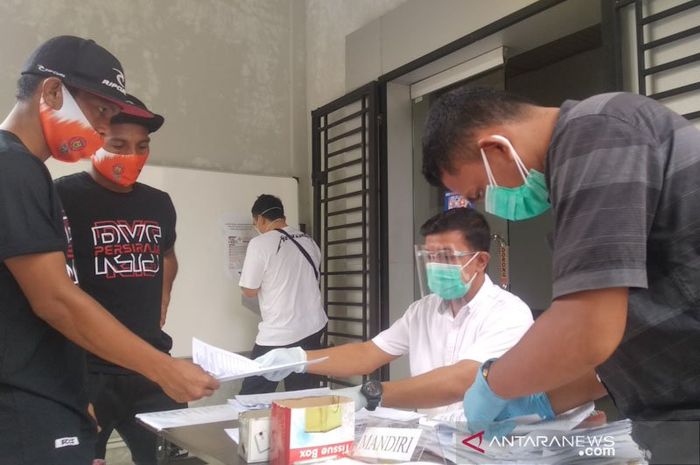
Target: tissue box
[254,443]
[312,428]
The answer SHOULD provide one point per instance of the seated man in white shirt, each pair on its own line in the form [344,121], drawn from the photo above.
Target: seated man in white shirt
[447,335]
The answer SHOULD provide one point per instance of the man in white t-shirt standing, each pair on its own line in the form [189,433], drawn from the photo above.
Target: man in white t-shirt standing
[281,268]
[447,334]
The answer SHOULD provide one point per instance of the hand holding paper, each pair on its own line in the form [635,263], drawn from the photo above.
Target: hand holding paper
[226,366]
[528,405]
[185,381]
[277,357]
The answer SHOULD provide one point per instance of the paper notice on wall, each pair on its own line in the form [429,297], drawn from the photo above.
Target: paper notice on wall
[238,231]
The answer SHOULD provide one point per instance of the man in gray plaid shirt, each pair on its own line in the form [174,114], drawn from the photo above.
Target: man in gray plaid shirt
[621,175]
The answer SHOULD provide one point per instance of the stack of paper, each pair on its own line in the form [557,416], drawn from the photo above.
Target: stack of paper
[188,416]
[391,414]
[234,434]
[527,423]
[262,401]
[352,461]
[549,442]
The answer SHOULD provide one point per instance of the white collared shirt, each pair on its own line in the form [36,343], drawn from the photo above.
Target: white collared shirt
[490,324]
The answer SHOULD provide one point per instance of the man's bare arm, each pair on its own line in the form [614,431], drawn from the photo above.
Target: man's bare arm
[58,301]
[349,359]
[578,392]
[576,334]
[436,388]
[250,293]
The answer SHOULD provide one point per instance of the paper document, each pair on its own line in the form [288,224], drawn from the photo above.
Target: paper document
[527,423]
[234,433]
[389,414]
[227,366]
[351,461]
[238,231]
[457,416]
[188,416]
[259,401]
[563,422]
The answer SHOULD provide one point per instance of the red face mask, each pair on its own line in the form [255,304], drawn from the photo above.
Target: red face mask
[67,131]
[120,169]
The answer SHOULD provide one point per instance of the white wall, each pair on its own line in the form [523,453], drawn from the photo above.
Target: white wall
[327,24]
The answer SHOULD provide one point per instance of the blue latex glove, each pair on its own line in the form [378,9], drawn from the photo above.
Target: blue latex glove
[281,357]
[481,408]
[527,405]
[354,393]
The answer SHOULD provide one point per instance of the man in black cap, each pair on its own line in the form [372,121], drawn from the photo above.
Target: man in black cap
[69,90]
[124,245]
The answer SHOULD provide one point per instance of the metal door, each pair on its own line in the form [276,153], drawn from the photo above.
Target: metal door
[347,215]
[657,43]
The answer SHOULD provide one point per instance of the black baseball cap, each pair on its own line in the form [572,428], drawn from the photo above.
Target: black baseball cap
[83,64]
[152,124]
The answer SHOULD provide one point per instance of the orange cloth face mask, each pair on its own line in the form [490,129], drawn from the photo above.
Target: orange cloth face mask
[67,131]
[120,169]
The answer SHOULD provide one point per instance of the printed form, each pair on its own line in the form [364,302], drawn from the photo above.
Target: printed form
[188,416]
[226,366]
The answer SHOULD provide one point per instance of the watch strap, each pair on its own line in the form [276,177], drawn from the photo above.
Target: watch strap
[486,368]
[373,401]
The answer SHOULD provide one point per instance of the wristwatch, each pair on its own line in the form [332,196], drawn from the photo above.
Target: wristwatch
[485,368]
[372,390]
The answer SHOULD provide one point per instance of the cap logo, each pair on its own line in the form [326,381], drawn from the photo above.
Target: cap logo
[120,77]
[120,84]
[44,69]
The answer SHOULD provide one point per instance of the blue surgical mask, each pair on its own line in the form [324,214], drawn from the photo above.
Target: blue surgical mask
[445,279]
[527,201]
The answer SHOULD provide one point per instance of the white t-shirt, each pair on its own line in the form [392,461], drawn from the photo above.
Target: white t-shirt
[290,299]
[485,328]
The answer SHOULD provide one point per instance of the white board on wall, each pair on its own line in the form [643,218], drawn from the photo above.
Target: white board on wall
[205,303]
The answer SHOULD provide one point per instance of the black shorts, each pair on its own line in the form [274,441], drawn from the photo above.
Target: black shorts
[38,431]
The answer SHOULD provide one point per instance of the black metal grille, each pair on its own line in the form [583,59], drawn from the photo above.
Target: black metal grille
[647,74]
[347,214]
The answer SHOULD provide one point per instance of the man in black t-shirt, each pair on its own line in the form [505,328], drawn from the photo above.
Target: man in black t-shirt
[124,247]
[69,90]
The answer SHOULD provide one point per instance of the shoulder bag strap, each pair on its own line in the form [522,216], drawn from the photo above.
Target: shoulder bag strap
[302,250]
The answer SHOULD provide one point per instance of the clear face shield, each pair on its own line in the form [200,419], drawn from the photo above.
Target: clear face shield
[440,271]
